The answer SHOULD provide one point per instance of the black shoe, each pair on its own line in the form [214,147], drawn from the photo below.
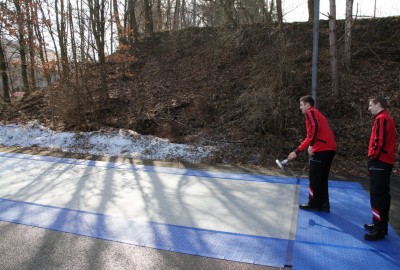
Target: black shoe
[370,227]
[309,207]
[375,235]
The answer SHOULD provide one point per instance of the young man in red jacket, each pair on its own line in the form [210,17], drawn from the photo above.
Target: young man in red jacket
[382,155]
[321,147]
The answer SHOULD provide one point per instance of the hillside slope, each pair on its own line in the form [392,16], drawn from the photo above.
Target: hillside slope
[236,88]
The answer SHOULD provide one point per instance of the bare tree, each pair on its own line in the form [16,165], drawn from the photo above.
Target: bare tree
[82,30]
[38,28]
[175,24]
[333,47]
[132,28]
[120,30]
[97,18]
[229,11]
[266,15]
[3,61]
[72,33]
[62,35]
[31,43]
[20,18]
[47,22]
[347,39]
[148,19]
[4,69]
[194,14]
[168,15]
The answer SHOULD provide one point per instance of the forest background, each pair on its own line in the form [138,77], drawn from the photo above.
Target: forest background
[219,72]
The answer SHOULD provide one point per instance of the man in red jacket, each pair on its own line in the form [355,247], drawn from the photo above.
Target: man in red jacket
[321,147]
[382,155]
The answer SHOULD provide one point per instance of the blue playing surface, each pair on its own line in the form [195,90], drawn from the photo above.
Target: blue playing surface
[321,240]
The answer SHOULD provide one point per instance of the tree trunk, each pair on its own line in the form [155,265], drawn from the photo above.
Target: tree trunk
[62,37]
[81,26]
[73,43]
[22,45]
[31,47]
[168,16]
[333,47]
[41,47]
[194,18]
[121,35]
[4,73]
[311,10]
[279,11]
[148,19]
[175,24]
[347,35]
[265,14]
[97,18]
[48,26]
[132,23]
[229,7]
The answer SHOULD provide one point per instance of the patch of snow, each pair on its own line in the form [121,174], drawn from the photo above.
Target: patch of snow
[123,143]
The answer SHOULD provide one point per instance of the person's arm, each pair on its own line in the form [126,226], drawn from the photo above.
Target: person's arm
[312,129]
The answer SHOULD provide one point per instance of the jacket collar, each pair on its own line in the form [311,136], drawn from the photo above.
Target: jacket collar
[379,113]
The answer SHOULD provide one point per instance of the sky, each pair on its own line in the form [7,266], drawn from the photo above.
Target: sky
[122,143]
[297,10]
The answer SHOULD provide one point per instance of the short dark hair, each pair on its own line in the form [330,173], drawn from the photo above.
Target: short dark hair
[308,99]
[381,100]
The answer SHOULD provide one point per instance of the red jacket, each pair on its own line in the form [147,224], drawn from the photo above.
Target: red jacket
[319,134]
[382,144]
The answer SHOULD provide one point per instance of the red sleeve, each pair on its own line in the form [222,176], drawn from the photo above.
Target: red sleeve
[312,130]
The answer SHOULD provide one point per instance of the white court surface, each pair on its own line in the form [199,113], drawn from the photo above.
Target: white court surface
[244,207]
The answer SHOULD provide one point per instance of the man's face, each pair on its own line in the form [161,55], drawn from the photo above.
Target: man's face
[304,107]
[374,108]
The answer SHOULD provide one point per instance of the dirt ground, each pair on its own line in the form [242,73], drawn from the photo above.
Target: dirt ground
[237,89]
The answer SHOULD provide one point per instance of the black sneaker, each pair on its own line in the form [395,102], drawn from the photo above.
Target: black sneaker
[370,227]
[309,207]
[375,235]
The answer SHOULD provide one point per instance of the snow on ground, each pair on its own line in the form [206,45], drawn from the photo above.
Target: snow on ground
[123,143]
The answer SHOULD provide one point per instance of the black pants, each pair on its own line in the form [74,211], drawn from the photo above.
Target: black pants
[320,165]
[379,174]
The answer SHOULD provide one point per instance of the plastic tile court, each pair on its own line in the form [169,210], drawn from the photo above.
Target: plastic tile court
[240,217]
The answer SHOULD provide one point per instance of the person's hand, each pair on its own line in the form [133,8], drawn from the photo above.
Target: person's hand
[310,152]
[292,156]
